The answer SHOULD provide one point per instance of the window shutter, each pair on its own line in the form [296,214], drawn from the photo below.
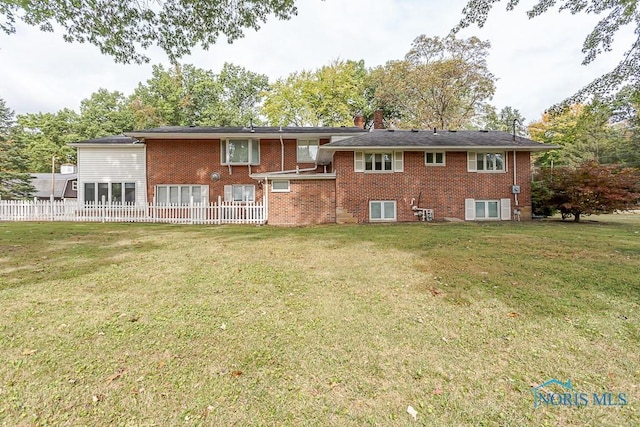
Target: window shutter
[505,209]
[223,152]
[472,165]
[204,194]
[469,209]
[228,193]
[254,152]
[399,161]
[358,161]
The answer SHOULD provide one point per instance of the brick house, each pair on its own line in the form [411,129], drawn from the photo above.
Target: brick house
[316,175]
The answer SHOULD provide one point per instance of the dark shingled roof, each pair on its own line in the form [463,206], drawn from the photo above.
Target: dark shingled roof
[115,139]
[441,139]
[243,130]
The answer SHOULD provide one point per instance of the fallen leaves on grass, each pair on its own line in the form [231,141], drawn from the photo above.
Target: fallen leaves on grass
[513,315]
[120,372]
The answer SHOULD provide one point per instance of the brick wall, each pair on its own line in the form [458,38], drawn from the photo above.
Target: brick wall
[192,161]
[442,188]
[308,202]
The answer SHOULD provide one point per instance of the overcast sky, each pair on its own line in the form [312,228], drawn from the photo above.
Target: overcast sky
[537,62]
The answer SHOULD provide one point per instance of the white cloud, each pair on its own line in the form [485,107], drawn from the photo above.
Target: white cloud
[536,61]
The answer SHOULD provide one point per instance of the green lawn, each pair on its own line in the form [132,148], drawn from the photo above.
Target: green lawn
[145,324]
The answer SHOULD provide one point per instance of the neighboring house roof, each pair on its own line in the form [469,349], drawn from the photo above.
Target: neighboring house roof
[42,183]
[205,132]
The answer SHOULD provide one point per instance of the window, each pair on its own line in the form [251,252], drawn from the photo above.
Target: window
[240,152]
[74,185]
[487,209]
[434,158]
[280,186]
[378,161]
[486,162]
[114,192]
[382,210]
[307,150]
[239,193]
[180,195]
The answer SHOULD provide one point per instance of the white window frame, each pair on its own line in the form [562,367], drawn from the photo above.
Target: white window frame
[434,161]
[230,192]
[253,145]
[360,161]
[110,195]
[74,185]
[474,156]
[504,209]
[280,190]
[383,218]
[309,144]
[204,194]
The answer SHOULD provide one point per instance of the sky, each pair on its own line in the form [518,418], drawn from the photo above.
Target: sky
[537,61]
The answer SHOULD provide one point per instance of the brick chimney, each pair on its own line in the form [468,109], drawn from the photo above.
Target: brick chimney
[358,121]
[377,120]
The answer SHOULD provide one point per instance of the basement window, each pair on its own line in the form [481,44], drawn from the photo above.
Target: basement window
[180,195]
[382,210]
[280,186]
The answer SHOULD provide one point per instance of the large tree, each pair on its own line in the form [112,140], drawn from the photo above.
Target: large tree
[104,113]
[123,29]
[442,83]
[617,14]
[186,95]
[15,181]
[47,134]
[329,96]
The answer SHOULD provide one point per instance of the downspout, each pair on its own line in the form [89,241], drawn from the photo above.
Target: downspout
[265,189]
[281,151]
[515,195]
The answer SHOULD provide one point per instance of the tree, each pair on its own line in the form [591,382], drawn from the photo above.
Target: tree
[47,134]
[122,28]
[505,120]
[588,189]
[104,113]
[619,13]
[329,96]
[15,181]
[186,95]
[442,83]
[584,132]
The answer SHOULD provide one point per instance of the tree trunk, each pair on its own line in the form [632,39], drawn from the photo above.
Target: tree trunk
[576,217]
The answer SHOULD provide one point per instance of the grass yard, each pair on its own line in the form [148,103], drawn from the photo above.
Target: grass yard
[144,324]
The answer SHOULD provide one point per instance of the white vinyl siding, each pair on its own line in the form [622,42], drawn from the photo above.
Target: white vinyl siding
[487,209]
[382,210]
[114,164]
[377,161]
[240,152]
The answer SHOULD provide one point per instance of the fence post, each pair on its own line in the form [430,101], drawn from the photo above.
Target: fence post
[219,211]
[103,208]
[51,198]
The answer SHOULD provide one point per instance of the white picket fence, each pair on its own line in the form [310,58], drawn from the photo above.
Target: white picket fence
[194,213]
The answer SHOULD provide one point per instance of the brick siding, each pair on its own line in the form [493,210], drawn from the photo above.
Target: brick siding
[441,188]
